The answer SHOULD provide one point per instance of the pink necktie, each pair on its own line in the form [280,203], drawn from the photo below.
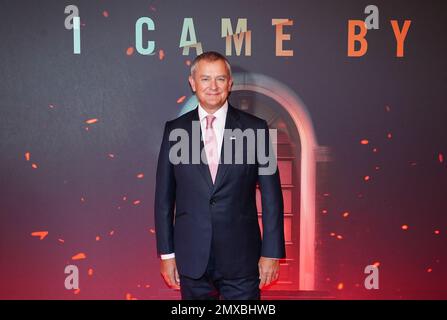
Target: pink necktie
[211,146]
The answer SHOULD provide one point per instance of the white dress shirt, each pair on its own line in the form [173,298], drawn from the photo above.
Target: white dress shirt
[218,124]
[218,127]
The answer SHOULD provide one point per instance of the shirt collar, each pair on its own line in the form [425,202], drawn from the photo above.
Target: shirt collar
[221,113]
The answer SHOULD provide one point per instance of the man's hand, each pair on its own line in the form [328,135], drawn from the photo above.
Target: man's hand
[268,271]
[168,270]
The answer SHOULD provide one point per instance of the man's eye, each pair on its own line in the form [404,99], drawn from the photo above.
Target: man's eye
[205,79]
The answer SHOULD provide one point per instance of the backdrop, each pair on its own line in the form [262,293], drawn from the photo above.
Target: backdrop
[82,116]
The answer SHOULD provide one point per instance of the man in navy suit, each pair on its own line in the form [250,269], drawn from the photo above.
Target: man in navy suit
[207,230]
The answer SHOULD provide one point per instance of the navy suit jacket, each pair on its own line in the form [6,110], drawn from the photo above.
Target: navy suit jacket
[194,216]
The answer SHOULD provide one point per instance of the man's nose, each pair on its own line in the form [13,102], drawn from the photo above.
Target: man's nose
[213,84]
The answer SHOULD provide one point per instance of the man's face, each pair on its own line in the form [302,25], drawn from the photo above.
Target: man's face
[212,83]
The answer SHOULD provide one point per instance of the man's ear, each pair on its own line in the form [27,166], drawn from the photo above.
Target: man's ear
[231,83]
[192,83]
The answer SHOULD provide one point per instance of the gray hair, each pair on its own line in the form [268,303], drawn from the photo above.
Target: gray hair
[209,56]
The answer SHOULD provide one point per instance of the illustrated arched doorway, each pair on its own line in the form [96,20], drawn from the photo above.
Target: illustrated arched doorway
[297,111]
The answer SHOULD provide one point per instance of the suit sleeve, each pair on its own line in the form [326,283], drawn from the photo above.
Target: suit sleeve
[273,245]
[164,198]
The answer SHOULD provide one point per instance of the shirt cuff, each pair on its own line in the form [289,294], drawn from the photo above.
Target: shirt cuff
[167,256]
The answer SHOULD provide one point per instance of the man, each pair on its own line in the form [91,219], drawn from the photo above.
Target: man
[206,220]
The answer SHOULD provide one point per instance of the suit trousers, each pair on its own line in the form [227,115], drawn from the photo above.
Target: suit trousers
[213,286]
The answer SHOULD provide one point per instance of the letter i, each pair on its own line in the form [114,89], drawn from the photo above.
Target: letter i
[76,35]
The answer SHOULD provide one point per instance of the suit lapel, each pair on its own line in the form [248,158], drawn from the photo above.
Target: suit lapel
[231,123]
[202,167]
